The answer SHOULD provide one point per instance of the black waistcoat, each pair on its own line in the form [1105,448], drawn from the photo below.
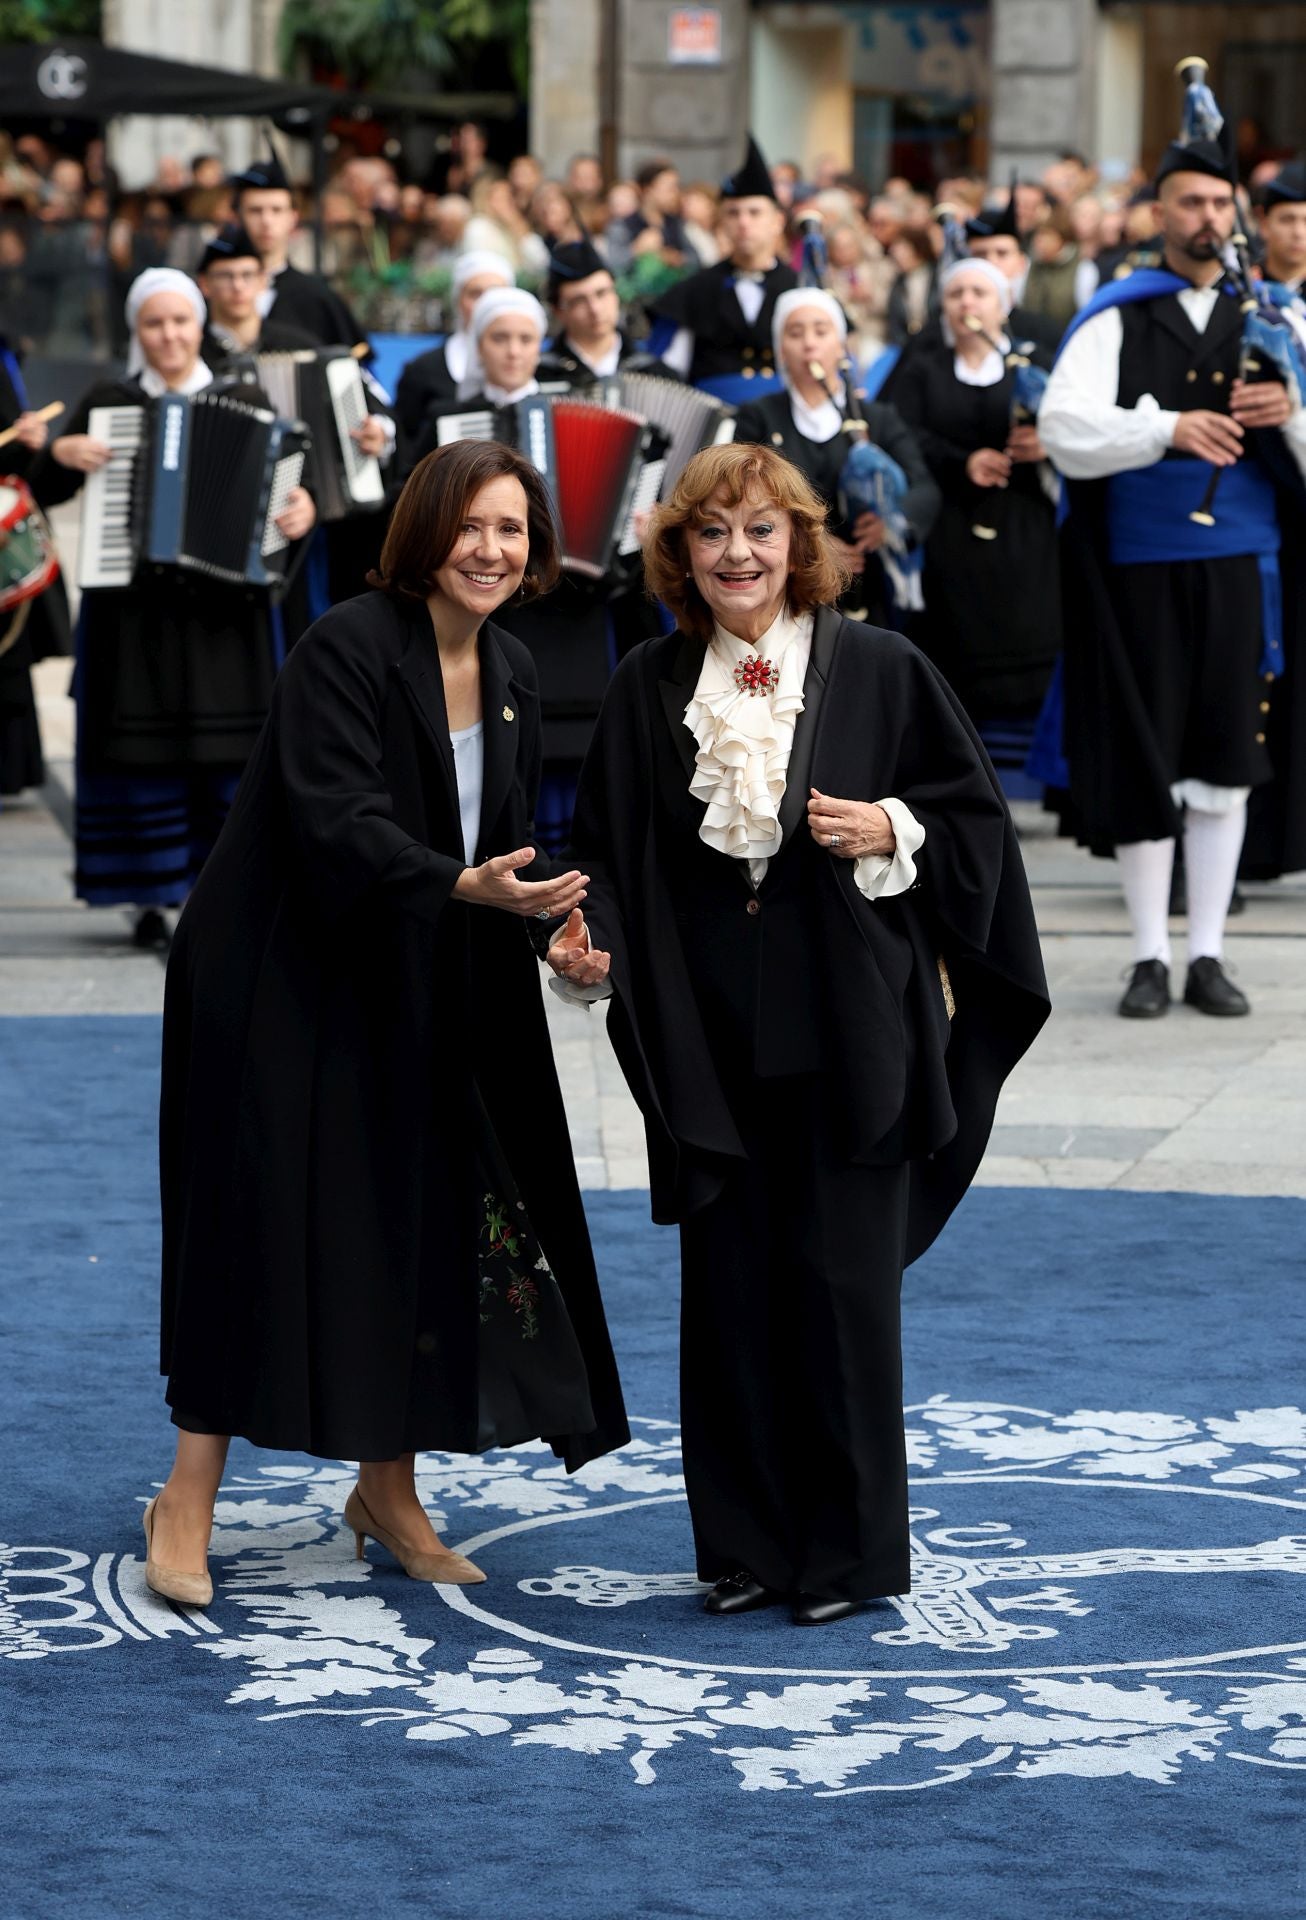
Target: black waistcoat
[1163,354]
[724,342]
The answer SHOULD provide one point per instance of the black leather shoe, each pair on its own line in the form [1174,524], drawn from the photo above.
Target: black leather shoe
[811,1611]
[1209,989]
[740,1593]
[1147,996]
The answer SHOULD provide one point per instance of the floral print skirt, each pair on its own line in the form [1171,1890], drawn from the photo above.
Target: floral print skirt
[533,1382]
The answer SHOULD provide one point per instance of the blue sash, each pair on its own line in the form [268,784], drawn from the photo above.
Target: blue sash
[1148,520]
[9,360]
[737,389]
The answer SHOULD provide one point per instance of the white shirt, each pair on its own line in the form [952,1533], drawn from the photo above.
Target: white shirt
[154,384]
[468,745]
[1087,435]
[607,363]
[500,397]
[987,373]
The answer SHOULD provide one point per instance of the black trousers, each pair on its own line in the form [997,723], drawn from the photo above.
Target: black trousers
[791,1360]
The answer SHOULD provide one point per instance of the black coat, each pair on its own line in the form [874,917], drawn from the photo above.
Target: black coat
[724,342]
[562,363]
[330,1011]
[311,305]
[715,983]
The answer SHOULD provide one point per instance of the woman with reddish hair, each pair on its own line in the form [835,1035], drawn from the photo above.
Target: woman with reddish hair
[807,900]
[373,1240]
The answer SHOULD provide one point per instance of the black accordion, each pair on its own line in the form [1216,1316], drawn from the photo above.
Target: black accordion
[592,459]
[196,481]
[323,387]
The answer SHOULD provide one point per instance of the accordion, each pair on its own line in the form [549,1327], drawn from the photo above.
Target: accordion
[323,387]
[591,459]
[686,419]
[196,481]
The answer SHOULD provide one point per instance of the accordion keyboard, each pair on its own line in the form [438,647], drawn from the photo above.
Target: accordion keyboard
[363,482]
[108,556]
[286,476]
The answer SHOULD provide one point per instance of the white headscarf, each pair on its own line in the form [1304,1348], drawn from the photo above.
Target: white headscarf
[996,277]
[506,300]
[790,303]
[144,287]
[470,266]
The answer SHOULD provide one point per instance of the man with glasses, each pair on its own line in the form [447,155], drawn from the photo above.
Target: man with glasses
[588,343]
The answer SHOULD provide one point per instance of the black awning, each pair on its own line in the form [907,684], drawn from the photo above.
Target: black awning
[84,80]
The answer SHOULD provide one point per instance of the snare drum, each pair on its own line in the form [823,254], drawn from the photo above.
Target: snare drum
[27,557]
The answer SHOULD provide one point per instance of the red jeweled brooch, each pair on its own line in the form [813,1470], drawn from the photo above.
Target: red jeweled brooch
[754,676]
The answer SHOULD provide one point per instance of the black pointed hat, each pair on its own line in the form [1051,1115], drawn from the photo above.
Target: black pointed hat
[990,222]
[1205,140]
[1288,185]
[751,180]
[577,260]
[229,243]
[264,175]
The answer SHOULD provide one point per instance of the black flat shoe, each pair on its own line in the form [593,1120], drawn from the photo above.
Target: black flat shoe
[1209,989]
[1147,996]
[811,1611]
[740,1593]
[151,931]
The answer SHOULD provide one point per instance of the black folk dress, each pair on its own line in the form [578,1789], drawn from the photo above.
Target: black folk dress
[992,620]
[813,1113]
[173,679]
[368,1187]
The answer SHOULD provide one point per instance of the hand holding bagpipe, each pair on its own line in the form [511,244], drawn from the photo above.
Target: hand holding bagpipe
[1265,393]
[989,466]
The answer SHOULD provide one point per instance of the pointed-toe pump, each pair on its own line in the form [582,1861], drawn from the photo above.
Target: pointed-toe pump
[448,1569]
[187,1589]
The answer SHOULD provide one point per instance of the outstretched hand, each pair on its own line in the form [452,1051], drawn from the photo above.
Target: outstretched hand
[495,884]
[572,957]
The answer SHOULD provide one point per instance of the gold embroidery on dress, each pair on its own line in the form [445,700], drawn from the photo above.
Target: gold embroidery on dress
[945,981]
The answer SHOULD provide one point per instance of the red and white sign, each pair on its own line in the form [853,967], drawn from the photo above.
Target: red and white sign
[694,37]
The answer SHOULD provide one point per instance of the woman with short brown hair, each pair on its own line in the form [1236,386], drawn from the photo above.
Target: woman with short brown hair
[373,1240]
[798,854]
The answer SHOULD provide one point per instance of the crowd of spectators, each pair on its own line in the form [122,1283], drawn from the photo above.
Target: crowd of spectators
[71,240]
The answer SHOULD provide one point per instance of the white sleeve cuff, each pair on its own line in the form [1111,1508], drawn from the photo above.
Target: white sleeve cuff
[878,875]
[679,354]
[577,996]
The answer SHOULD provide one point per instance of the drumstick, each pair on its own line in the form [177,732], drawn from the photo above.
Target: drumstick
[51,412]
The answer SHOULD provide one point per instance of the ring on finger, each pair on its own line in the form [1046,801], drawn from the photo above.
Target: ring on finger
[836,840]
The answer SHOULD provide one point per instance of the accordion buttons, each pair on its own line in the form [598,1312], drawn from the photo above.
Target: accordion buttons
[508,713]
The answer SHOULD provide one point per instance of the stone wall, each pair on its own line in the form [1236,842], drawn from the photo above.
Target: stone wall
[1044,83]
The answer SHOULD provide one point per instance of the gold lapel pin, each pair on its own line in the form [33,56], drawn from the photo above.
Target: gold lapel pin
[507,713]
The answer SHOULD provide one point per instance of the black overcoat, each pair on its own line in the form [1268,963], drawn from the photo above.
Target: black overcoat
[906,1083]
[330,1012]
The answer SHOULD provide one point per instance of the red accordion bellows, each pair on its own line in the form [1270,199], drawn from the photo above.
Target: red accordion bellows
[598,459]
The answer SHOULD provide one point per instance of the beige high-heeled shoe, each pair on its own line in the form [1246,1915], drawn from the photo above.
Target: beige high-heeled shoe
[449,1569]
[187,1589]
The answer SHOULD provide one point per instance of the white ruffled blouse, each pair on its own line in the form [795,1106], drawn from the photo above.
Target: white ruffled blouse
[741,766]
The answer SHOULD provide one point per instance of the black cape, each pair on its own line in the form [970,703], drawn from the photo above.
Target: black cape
[330,1014]
[906,1083]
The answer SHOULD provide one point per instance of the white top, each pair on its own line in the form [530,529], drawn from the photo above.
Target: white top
[468,745]
[989,371]
[1086,434]
[821,422]
[500,396]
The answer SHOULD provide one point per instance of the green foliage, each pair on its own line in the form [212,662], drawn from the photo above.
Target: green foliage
[404,43]
[48,19]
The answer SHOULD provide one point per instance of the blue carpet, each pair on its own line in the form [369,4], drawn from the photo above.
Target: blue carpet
[1093,1702]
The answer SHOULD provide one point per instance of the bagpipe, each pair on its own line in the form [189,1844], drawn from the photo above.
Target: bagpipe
[1028,387]
[870,480]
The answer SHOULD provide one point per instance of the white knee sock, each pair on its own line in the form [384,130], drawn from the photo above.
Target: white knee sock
[1145,868]
[1212,845]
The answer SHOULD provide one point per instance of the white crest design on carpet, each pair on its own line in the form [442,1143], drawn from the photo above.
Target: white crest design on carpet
[306,1629]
